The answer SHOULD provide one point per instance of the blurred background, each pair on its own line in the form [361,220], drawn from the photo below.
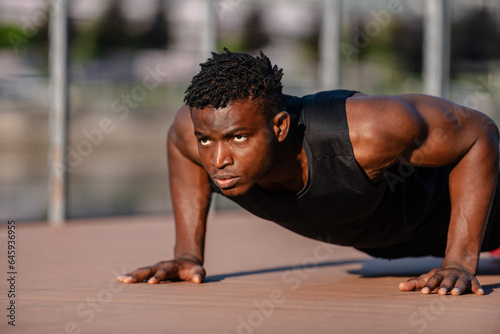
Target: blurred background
[130,62]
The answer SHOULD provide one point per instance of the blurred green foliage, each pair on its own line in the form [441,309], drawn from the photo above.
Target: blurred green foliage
[7,33]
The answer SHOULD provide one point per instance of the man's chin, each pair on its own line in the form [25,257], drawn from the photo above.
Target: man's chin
[235,191]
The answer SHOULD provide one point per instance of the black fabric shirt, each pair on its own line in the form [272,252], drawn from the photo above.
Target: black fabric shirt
[407,214]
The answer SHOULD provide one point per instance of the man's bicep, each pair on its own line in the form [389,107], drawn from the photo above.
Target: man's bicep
[451,131]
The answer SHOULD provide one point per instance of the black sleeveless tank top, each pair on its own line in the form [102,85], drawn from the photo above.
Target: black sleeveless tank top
[339,203]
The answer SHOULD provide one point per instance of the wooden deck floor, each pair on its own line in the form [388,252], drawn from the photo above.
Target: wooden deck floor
[261,279]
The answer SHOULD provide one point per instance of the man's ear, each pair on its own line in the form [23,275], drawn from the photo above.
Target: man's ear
[281,125]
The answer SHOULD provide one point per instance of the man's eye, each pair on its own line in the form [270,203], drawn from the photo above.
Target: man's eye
[239,138]
[203,141]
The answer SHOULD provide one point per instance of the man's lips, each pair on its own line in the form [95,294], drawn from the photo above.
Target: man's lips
[225,181]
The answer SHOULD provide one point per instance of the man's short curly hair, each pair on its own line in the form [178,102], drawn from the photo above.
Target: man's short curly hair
[231,76]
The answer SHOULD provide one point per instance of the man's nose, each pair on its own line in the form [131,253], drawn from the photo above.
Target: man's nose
[221,157]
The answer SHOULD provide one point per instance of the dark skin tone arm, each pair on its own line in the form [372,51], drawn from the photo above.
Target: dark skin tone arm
[427,131]
[191,195]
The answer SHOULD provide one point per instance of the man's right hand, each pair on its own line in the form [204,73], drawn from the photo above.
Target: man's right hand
[178,269]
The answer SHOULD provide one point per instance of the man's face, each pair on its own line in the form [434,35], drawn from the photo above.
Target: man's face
[236,145]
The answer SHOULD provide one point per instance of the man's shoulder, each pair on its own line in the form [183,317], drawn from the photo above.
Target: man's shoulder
[381,128]
[378,116]
[181,135]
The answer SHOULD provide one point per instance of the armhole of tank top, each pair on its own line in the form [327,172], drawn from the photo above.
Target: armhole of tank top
[360,169]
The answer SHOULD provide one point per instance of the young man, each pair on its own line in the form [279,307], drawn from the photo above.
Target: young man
[393,176]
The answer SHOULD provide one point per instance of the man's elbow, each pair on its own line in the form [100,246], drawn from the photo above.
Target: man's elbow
[492,134]
[494,130]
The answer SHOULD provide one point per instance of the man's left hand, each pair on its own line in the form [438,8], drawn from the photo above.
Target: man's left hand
[455,280]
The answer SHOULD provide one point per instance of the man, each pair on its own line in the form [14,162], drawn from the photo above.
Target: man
[393,176]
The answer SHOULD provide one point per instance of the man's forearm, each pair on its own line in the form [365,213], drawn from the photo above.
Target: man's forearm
[191,208]
[472,187]
[191,197]
[190,232]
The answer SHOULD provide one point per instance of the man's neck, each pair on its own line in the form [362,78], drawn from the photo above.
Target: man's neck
[290,171]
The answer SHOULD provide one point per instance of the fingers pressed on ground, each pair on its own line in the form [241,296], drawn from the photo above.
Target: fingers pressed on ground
[160,275]
[432,283]
[447,284]
[124,279]
[143,274]
[476,287]
[166,271]
[460,286]
[196,278]
[452,281]
[153,280]
[425,290]
[197,274]
[410,285]
[138,275]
